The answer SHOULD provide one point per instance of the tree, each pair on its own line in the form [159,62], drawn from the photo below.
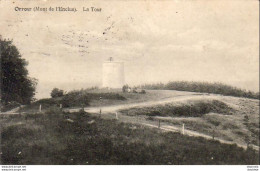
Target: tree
[57,93]
[16,85]
[124,88]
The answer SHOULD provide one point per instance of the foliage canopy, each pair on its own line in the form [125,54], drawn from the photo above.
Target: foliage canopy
[16,85]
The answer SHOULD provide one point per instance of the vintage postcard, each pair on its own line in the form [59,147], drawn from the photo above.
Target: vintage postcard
[127,82]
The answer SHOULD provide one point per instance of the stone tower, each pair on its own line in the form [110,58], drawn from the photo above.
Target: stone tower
[113,74]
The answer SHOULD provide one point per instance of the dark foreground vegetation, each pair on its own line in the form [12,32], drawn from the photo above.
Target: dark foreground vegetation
[9,106]
[60,138]
[203,87]
[192,109]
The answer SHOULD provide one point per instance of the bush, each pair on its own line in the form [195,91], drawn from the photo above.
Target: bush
[57,93]
[75,100]
[142,92]
[124,88]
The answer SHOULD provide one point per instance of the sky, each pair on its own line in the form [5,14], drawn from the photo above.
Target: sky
[158,41]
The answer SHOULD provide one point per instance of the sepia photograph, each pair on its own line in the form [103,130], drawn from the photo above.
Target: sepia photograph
[127,82]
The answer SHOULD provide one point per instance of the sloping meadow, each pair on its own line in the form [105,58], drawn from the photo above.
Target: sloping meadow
[210,117]
[194,108]
[79,138]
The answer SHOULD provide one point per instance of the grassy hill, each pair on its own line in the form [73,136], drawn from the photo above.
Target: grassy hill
[55,137]
[91,97]
[229,118]
[195,108]
[203,87]
[61,138]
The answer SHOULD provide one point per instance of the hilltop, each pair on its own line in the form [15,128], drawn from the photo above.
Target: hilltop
[218,123]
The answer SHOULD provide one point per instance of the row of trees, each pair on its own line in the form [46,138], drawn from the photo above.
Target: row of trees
[203,87]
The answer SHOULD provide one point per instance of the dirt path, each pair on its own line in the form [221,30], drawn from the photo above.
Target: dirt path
[197,134]
[171,128]
[112,110]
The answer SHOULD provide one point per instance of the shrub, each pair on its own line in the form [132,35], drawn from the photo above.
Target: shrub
[57,93]
[124,88]
[75,100]
[142,92]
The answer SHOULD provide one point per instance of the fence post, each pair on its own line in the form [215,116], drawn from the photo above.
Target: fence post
[20,113]
[183,129]
[159,124]
[100,113]
[40,108]
[82,108]
[116,116]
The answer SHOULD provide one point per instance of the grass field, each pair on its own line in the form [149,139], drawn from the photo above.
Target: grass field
[222,115]
[226,117]
[194,108]
[55,137]
[60,138]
